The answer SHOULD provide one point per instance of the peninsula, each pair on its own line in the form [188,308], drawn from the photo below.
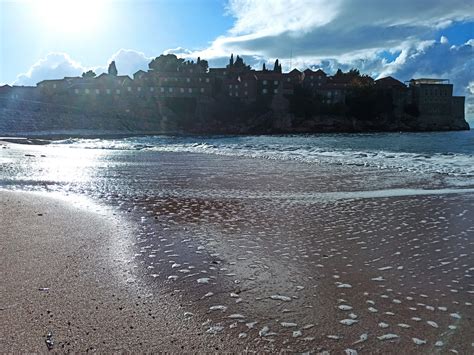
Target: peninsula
[179,96]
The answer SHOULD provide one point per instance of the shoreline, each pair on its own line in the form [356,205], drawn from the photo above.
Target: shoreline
[82,134]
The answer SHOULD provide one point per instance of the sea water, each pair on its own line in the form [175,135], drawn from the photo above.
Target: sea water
[449,153]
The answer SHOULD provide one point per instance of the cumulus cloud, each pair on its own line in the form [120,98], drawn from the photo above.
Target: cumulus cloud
[129,61]
[53,66]
[59,65]
[332,28]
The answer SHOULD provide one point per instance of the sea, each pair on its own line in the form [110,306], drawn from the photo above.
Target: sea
[450,153]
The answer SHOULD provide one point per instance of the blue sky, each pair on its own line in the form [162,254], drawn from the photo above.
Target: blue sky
[44,39]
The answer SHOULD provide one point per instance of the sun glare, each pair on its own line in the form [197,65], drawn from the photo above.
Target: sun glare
[69,16]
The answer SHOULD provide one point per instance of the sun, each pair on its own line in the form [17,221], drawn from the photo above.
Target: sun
[69,16]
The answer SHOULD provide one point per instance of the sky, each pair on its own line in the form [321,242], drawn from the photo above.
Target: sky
[46,39]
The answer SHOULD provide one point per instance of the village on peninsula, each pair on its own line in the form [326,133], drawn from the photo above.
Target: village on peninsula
[177,96]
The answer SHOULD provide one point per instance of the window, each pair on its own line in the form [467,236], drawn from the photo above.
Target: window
[139,88]
[275,91]
[230,86]
[190,90]
[207,79]
[236,94]
[246,93]
[129,88]
[107,91]
[86,91]
[236,86]
[54,86]
[264,91]
[162,89]
[188,80]
[202,89]
[230,93]
[117,91]
[97,91]
[181,90]
[288,79]
[152,89]
[166,79]
[246,84]
[76,91]
[275,82]
[264,82]
[170,89]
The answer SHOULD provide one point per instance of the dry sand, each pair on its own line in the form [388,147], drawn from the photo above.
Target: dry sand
[62,272]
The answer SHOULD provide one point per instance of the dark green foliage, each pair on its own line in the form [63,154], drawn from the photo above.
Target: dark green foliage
[112,69]
[203,64]
[412,110]
[89,74]
[303,103]
[277,67]
[182,106]
[367,104]
[166,63]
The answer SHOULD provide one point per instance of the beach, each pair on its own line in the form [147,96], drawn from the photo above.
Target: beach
[62,275]
[235,253]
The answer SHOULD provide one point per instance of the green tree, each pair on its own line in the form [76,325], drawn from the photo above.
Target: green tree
[277,67]
[166,63]
[203,64]
[112,69]
[89,74]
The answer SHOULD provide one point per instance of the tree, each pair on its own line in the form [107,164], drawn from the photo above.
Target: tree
[203,64]
[112,69]
[231,61]
[166,63]
[264,67]
[277,67]
[89,74]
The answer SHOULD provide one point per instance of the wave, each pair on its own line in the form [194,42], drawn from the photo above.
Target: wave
[303,149]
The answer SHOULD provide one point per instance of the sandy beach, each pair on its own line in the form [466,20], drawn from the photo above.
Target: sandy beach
[61,274]
[197,252]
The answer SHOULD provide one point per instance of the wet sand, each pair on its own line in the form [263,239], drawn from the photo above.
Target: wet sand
[64,272]
[249,254]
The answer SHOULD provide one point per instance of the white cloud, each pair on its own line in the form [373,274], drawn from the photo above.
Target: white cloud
[59,65]
[129,61]
[53,66]
[331,28]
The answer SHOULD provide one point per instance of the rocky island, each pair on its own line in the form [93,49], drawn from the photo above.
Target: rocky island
[176,96]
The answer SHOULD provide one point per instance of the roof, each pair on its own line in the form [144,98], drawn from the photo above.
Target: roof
[295,71]
[319,72]
[389,82]
[268,75]
[50,81]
